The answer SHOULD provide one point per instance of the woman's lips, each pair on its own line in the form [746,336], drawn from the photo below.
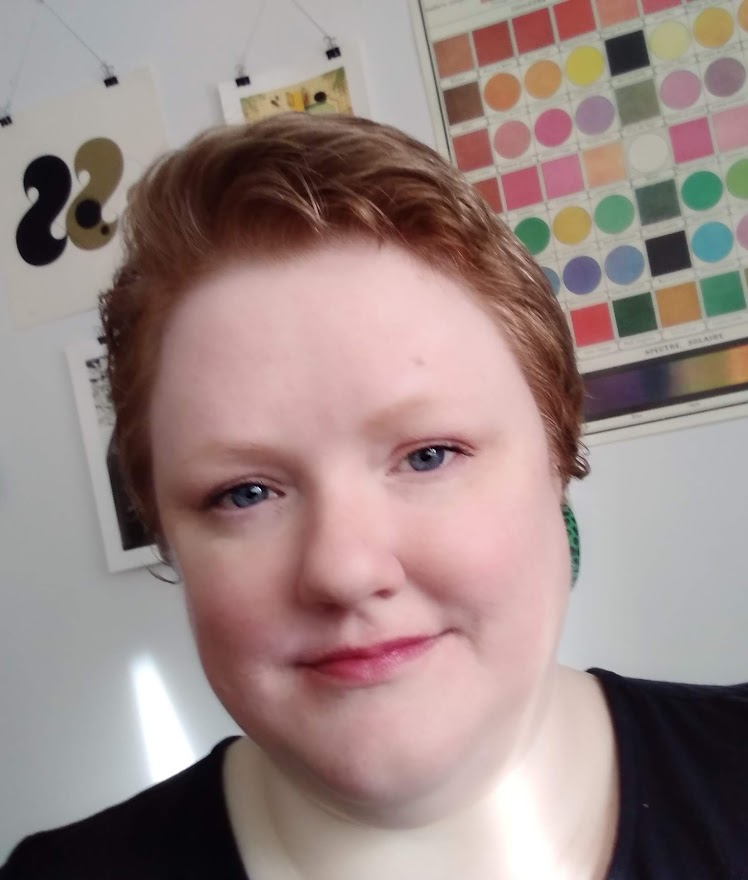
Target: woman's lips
[371,664]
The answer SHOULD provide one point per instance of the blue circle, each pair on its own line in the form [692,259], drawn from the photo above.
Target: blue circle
[582,275]
[712,242]
[624,264]
[553,279]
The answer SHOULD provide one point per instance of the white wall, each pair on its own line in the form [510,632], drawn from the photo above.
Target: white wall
[663,588]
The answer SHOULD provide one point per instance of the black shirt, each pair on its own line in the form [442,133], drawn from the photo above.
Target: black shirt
[683,759]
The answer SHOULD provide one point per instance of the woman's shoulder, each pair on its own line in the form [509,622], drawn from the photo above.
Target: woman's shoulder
[177,828]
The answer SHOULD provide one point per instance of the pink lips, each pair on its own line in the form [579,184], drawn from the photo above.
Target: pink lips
[371,664]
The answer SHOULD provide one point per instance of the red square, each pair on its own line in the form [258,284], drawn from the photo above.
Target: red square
[691,140]
[489,189]
[573,17]
[472,150]
[521,188]
[493,43]
[533,31]
[650,6]
[592,324]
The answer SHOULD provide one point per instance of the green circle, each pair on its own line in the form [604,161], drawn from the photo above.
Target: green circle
[614,214]
[534,234]
[737,179]
[701,190]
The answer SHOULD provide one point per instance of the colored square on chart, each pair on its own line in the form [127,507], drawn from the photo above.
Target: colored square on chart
[573,17]
[650,6]
[533,31]
[614,11]
[463,103]
[627,52]
[722,294]
[562,176]
[637,102]
[657,202]
[453,55]
[678,304]
[691,140]
[521,188]
[634,314]
[668,253]
[731,128]
[591,325]
[604,164]
[472,150]
[489,189]
[493,43]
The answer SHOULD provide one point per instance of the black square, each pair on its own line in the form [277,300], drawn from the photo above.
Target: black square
[668,253]
[627,52]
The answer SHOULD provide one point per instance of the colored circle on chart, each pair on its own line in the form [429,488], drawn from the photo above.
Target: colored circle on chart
[502,91]
[624,264]
[724,77]
[614,214]
[741,232]
[585,65]
[542,79]
[737,179]
[648,153]
[582,275]
[712,242]
[743,15]
[511,139]
[701,190]
[680,89]
[534,234]
[553,279]
[713,27]
[669,40]
[553,127]
[572,225]
[594,115]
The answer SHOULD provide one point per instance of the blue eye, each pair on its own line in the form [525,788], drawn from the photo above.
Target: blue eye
[428,458]
[243,495]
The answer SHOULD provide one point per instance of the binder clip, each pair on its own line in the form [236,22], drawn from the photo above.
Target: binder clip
[242,78]
[109,76]
[332,50]
[6,119]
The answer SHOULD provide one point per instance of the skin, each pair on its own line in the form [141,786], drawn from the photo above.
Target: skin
[310,384]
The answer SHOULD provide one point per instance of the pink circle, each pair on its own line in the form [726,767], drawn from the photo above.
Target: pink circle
[680,89]
[553,127]
[741,232]
[511,139]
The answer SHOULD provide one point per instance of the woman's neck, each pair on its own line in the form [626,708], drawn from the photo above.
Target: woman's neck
[551,813]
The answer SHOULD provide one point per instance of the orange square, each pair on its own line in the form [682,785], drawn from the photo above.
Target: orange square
[678,304]
[604,164]
[454,55]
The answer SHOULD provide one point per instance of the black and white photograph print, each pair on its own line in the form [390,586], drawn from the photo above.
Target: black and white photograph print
[126,543]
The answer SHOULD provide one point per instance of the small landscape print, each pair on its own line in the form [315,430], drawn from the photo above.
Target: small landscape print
[326,93]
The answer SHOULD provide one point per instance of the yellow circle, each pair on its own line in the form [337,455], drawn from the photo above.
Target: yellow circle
[713,27]
[543,78]
[585,65]
[572,225]
[669,40]
[743,15]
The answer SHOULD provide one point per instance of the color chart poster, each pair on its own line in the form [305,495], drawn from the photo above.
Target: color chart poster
[612,137]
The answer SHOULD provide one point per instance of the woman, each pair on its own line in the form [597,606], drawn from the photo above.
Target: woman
[348,409]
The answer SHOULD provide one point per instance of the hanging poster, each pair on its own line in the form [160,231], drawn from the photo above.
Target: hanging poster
[311,85]
[612,137]
[126,544]
[66,167]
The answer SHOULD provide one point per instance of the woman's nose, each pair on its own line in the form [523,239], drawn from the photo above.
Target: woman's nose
[348,553]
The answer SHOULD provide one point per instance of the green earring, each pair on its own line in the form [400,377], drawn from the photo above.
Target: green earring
[572,532]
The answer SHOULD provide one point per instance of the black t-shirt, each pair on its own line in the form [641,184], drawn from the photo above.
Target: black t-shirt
[683,757]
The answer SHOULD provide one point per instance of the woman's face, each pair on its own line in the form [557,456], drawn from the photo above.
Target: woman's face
[355,483]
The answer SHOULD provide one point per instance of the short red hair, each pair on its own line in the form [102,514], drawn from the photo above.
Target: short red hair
[294,182]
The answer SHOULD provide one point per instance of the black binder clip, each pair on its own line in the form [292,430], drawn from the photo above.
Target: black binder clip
[6,119]
[242,78]
[332,50]
[109,76]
